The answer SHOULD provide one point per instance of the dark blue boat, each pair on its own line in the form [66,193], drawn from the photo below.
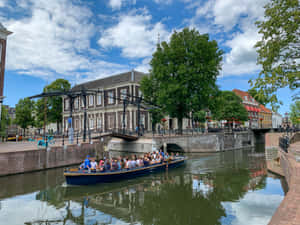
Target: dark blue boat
[80,177]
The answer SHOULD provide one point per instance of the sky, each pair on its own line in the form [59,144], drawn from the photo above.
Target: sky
[82,40]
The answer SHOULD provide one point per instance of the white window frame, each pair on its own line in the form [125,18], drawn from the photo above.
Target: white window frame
[76,103]
[67,104]
[91,100]
[99,122]
[99,99]
[110,95]
[91,123]
[123,93]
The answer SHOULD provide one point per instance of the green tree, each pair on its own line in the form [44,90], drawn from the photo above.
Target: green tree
[229,107]
[5,122]
[40,112]
[259,96]
[24,113]
[183,73]
[54,114]
[148,89]
[295,112]
[279,49]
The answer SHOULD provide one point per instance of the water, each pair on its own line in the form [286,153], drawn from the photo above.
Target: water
[222,188]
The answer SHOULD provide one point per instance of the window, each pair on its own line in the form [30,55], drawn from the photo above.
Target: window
[140,93]
[246,98]
[99,99]
[76,103]
[122,120]
[91,123]
[99,123]
[82,102]
[111,97]
[67,104]
[76,124]
[123,93]
[91,100]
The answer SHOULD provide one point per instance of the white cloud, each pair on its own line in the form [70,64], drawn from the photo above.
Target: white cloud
[163,1]
[242,57]
[134,34]
[117,4]
[53,40]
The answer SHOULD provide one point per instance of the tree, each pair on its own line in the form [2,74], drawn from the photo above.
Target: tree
[183,73]
[259,97]
[295,112]
[40,106]
[147,88]
[54,114]
[229,108]
[5,121]
[279,49]
[24,113]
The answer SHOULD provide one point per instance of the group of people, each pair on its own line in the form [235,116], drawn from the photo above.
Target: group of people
[132,162]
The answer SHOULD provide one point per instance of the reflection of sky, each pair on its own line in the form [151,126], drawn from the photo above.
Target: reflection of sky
[28,209]
[256,207]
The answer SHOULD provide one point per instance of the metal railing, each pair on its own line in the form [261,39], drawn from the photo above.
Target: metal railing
[284,143]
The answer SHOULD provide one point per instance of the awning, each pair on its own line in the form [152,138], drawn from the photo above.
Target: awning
[247,108]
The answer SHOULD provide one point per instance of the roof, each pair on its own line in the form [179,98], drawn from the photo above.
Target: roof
[242,94]
[264,109]
[130,76]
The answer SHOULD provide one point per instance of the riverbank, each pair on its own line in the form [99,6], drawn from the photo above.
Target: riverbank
[288,212]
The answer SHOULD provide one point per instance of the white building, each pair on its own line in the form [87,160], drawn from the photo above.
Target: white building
[276,120]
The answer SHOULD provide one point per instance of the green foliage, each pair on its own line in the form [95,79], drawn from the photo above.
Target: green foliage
[183,74]
[278,50]
[199,116]
[54,104]
[24,113]
[229,107]
[40,112]
[5,121]
[295,113]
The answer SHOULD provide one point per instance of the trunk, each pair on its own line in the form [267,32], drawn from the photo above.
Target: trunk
[57,127]
[153,127]
[24,129]
[180,125]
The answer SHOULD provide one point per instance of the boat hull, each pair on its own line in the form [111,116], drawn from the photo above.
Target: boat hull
[85,178]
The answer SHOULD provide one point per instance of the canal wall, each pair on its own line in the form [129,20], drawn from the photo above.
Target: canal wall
[288,211]
[40,159]
[210,142]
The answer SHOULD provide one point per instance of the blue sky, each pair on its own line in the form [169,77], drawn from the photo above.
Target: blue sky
[84,40]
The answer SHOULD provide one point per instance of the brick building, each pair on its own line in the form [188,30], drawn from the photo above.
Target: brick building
[105,113]
[251,106]
[265,117]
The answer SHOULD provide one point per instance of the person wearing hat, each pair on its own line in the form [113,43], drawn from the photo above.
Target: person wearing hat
[87,162]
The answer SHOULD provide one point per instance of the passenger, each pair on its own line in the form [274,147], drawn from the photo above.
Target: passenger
[119,163]
[87,163]
[94,165]
[101,163]
[107,165]
[146,161]
[158,160]
[81,167]
[141,162]
[161,153]
[114,164]
[128,161]
[132,163]
[153,161]
[177,154]
[166,158]
[172,156]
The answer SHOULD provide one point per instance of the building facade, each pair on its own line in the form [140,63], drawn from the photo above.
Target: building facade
[3,37]
[105,110]
[265,117]
[276,120]
[252,107]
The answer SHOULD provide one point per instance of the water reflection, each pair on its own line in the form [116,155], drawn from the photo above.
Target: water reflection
[224,188]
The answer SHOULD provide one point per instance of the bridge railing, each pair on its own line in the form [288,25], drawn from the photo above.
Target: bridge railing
[284,143]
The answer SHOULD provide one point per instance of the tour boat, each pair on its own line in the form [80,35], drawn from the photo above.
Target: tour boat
[85,177]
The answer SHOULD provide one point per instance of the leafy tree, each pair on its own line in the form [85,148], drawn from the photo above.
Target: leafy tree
[5,121]
[229,108]
[24,113]
[40,112]
[279,49]
[295,112]
[147,87]
[259,97]
[55,103]
[183,73]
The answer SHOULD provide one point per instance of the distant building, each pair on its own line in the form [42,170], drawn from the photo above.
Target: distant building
[276,120]
[106,113]
[252,106]
[265,117]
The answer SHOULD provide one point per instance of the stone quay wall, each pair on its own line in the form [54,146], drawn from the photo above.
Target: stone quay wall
[211,142]
[41,159]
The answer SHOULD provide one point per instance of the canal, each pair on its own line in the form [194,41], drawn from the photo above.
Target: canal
[231,187]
